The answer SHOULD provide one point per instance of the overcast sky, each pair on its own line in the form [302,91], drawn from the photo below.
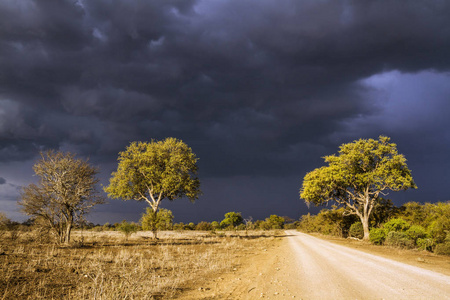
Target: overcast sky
[260,90]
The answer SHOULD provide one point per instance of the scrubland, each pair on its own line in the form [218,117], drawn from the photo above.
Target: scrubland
[104,265]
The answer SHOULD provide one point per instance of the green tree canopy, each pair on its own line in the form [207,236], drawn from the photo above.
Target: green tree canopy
[155,171]
[363,171]
[232,219]
[275,222]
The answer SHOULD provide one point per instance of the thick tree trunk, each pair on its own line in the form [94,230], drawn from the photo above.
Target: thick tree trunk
[68,229]
[365,223]
[366,210]
[67,233]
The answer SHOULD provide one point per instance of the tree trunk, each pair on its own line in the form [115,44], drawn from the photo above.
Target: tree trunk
[60,232]
[67,233]
[154,224]
[365,214]
[365,223]
[69,224]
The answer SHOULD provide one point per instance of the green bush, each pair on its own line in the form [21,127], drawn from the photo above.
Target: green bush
[241,227]
[438,229]
[442,249]
[416,232]
[293,225]
[229,228]
[332,229]
[203,226]
[215,225]
[447,237]
[356,230]
[399,239]
[189,226]
[275,222]
[264,225]
[307,223]
[178,226]
[97,228]
[162,220]
[424,243]
[397,224]
[377,236]
[106,226]
[127,228]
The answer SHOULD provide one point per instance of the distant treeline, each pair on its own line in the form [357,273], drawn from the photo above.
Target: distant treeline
[232,221]
[412,225]
[164,221]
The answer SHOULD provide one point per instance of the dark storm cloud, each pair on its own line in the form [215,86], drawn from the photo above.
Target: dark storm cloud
[255,87]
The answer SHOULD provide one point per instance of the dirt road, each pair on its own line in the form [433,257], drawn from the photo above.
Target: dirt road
[330,271]
[304,267]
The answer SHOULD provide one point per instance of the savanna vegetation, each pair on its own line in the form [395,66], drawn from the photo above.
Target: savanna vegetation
[122,260]
[107,264]
[40,260]
[412,225]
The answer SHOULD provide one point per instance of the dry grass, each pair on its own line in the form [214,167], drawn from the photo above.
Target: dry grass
[102,265]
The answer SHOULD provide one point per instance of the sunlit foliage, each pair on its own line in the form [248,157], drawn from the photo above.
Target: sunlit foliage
[358,176]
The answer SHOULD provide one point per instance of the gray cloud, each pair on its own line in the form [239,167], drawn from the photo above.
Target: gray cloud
[256,88]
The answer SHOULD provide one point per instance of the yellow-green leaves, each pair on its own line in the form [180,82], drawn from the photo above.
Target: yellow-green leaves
[358,175]
[364,166]
[154,171]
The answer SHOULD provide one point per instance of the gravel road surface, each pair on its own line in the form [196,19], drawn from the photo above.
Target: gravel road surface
[329,271]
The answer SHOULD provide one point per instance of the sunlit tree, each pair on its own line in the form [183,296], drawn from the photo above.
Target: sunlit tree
[358,176]
[155,171]
[232,219]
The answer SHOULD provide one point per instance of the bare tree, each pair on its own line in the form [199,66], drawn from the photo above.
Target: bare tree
[65,193]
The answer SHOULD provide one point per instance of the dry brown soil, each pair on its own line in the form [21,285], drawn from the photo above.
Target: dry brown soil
[264,273]
[275,272]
